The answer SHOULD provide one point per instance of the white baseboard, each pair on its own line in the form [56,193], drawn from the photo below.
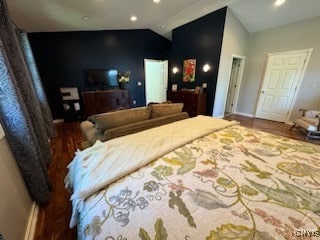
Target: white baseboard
[244,114]
[221,116]
[58,121]
[32,222]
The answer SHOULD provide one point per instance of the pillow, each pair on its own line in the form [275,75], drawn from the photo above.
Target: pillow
[110,120]
[165,109]
[312,113]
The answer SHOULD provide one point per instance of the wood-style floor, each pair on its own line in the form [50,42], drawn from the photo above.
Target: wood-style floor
[53,218]
[272,127]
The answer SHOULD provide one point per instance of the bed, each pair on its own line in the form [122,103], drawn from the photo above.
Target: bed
[199,178]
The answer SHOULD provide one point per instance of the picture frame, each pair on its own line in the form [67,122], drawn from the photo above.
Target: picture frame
[189,70]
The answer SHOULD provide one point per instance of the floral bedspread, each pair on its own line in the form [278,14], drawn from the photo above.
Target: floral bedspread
[236,183]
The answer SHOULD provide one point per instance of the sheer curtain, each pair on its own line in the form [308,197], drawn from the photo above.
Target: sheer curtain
[24,112]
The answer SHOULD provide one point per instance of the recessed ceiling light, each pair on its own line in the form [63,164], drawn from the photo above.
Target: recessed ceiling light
[85,18]
[156,1]
[133,18]
[279,2]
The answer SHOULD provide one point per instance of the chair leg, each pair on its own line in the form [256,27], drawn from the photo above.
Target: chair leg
[308,135]
[306,138]
[292,126]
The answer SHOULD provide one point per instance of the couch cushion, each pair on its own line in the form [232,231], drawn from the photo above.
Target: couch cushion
[309,127]
[165,109]
[90,133]
[313,121]
[109,120]
[140,126]
[311,113]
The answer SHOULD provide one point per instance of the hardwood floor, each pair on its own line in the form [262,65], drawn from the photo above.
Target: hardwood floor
[53,218]
[277,128]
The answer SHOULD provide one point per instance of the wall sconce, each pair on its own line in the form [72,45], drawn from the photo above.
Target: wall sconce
[175,70]
[206,67]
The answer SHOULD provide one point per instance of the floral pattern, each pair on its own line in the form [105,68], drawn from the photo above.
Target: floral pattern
[236,183]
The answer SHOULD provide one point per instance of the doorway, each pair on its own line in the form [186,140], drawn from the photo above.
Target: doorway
[281,82]
[156,80]
[234,84]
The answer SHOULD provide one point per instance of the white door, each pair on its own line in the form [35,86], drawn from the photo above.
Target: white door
[281,80]
[156,80]
[235,70]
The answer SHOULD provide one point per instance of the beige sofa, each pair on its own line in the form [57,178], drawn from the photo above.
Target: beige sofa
[110,125]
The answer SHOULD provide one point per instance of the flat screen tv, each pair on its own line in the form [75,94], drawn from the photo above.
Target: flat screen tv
[102,78]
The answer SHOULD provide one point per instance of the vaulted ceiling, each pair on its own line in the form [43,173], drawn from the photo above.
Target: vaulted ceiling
[161,17]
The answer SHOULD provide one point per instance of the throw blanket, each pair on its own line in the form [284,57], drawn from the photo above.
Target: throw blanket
[104,163]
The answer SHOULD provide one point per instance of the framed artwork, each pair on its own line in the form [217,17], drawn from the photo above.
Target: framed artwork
[189,70]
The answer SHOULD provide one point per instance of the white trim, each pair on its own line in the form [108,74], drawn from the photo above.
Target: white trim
[239,81]
[32,222]
[308,51]
[164,75]
[294,51]
[58,121]
[245,114]
[221,116]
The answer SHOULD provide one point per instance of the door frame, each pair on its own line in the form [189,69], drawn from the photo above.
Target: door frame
[165,75]
[238,83]
[308,51]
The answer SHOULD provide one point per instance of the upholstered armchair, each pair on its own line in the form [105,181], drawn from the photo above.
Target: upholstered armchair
[309,122]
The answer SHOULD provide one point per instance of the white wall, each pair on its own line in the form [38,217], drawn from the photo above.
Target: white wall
[297,36]
[15,202]
[235,42]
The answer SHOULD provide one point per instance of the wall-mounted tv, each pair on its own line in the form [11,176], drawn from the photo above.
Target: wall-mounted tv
[102,78]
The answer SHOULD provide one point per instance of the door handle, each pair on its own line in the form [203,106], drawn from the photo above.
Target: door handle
[262,91]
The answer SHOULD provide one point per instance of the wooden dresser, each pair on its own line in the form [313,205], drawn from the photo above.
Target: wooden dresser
[105,100]
[194,103]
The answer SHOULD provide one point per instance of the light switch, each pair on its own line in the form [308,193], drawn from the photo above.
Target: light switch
[204,85]
[139,83]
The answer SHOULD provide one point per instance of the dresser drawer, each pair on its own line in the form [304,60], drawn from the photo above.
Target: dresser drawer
[194,104]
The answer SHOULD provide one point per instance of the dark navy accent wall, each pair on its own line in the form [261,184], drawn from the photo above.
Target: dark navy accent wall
[63,57]
[201,40]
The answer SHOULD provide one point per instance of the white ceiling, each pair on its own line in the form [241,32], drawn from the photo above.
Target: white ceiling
[162,17]
[257,15]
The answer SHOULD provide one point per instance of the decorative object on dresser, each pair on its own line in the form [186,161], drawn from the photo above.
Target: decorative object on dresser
[124,78]
[95,102]
[194,103]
